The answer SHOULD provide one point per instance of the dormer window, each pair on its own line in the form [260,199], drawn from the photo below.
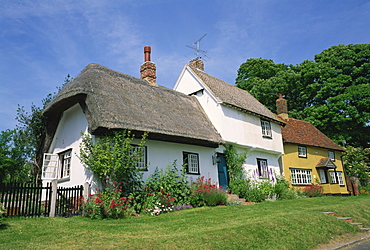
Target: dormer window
[266,128]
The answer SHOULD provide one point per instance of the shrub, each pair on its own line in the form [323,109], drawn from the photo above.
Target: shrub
[107,204]
[254,194]
[156,202]
[2,211]
[205,193]
[313,190]
[171,180]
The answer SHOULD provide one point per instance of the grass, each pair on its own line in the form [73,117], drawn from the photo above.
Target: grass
[290,224]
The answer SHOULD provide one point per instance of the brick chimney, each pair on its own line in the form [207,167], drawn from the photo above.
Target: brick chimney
[282,107]
[148,68]
[197,64]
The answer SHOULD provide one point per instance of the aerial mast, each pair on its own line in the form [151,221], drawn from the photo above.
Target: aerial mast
[198,52]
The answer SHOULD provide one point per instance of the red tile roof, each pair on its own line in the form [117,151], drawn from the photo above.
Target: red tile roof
[304,133]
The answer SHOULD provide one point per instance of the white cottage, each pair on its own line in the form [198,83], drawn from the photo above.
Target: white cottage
[239,118]
[101,100]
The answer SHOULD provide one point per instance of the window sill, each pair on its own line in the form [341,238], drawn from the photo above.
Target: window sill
[267,137]
[64,180]
[193,173]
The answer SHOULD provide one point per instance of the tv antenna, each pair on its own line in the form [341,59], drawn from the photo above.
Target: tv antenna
[198,52]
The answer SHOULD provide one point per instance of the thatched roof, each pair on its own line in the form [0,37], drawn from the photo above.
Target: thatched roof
[112,100]
[235,97]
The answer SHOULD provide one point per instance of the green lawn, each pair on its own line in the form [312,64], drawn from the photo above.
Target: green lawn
[290,224]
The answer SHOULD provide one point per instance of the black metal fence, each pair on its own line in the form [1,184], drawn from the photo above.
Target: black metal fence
[21,199]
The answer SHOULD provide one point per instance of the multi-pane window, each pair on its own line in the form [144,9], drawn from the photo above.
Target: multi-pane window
[339,176]
[191,162]
[302,151]
[140,154]
[50,166]
[301,176]
[266,128]
[323,175]
[65,163]
[263,170]
[331,155]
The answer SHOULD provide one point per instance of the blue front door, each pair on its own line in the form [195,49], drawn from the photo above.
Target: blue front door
[223,176]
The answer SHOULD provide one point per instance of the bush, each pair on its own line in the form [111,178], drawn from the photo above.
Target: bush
[254,194]
[157,202]
[282,189]
[205,193]
[161,186]
[313,190]
[2,211]
[107,204]
[171,180]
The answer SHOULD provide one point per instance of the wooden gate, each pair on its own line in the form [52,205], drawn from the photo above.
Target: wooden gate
[68,201]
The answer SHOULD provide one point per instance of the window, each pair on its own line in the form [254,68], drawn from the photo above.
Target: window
[266,128]
[65,163]
[323,176]
[331,155]
[262,168]
[301,176]
[50,166]
[191,162]
[339,176]
[302,151]
[57,166]
[142,157]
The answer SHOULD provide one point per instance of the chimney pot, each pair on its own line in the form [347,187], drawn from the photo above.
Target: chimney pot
[148,68]
[147,51]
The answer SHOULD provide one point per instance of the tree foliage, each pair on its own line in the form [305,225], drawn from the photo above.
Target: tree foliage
[332,92]
[113,159]
[21,148]
[357,164]
[13,156]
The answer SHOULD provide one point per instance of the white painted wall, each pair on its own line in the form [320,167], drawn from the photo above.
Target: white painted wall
[159,153]
[68,136]
[162,154]
[236,127]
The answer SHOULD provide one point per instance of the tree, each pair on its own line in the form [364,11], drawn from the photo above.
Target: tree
[13,157]
[113,159]
[356,162]
[332,92]
[32,128]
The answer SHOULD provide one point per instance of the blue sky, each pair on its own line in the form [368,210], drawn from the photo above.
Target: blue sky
[41,42]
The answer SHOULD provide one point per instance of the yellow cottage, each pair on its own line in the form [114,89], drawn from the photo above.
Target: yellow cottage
[310,157]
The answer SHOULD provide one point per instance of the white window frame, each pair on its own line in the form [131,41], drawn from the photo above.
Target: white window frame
[331,155]
[301,176]
[339,175]
[57,166]
[191,160]
[263,169]
[302,151]
[50,166]
[65,164]
[142,161]
[266,128]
